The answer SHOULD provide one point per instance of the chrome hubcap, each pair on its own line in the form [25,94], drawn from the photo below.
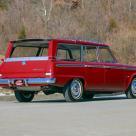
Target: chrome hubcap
[133,87]
[76,89]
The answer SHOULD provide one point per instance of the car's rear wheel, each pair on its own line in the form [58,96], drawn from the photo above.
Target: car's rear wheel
[131,92]
[73,91]
[24,96]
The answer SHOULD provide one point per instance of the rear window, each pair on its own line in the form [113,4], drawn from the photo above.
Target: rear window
[30,50]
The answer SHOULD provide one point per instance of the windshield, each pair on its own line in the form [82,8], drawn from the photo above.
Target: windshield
[29,50]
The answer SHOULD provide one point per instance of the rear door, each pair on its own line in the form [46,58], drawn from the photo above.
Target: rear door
[94,70]
[68,65]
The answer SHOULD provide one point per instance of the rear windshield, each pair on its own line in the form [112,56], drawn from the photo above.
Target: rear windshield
[29,50]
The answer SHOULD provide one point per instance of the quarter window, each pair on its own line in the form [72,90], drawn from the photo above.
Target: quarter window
[63,54]
[105,55]
[68,52]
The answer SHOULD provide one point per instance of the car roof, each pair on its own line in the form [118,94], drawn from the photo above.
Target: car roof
[82,42]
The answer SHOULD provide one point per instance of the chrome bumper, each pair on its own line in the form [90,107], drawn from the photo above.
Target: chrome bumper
[28,81]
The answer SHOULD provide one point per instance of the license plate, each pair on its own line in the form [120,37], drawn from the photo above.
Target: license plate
[19,82]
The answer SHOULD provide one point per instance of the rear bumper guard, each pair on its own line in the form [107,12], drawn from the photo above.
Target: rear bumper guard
[28,81]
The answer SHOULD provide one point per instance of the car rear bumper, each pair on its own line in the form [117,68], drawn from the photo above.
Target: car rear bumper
[28,81]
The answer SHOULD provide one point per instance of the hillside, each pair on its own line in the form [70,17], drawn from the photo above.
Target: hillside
[109,21]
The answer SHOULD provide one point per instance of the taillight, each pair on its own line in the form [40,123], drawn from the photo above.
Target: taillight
[48,74]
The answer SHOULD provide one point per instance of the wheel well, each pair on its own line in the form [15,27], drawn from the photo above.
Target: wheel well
[130,82]
[133,77]
[82,80]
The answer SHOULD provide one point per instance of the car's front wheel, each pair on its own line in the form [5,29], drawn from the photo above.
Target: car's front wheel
[73,91]
[24,96]
[131,92]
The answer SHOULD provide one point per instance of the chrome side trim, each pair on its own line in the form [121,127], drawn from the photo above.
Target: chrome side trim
[109,67]
[118,67]
[69,65]
[25,59]
[114,67]
[130,68]
[28,81]
[79,65]
[94,66]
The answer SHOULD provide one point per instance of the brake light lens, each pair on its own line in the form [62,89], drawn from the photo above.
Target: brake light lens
[48,74]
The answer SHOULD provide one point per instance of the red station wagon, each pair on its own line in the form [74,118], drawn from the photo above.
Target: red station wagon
[78,69]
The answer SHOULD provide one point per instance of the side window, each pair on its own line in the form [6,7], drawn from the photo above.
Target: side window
[63,54]
[68,52]
[105,55]
[76,54]
[90,54]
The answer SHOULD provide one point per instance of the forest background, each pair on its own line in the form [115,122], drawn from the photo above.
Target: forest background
[106,21]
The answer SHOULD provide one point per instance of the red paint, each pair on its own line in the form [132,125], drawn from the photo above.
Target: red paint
[97,76]
[9,49]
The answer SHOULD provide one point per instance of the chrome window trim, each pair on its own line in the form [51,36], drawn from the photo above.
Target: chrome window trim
[25,59]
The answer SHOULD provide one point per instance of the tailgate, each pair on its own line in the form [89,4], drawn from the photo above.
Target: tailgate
[25,67]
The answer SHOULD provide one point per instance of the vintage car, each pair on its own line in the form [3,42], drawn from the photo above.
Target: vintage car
[77,69]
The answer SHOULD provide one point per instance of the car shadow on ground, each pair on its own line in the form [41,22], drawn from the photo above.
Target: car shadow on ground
[50,101]
[109,98]
[114,98]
